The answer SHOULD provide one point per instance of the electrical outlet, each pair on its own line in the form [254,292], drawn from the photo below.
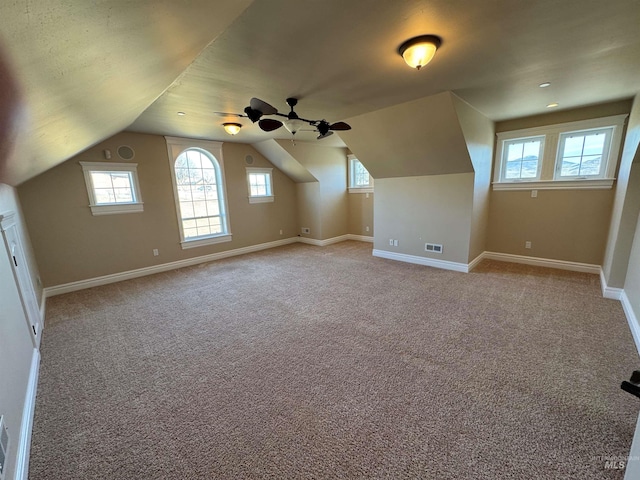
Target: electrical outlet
[534,193]
[155,252]
[280,231]
[395,243]
[527,244]
[366,229]
[391,242]
[306,230]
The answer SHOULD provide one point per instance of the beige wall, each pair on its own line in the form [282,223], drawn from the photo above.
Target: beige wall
[568,225]
[16,349]
[565,225]
[309,211]
[329,199]
[361,214]
[479,136]
[70,244]
[417,210]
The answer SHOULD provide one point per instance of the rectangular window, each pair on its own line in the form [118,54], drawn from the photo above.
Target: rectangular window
[112,187]
[359,179]
[521,159]
[582,154]
[260,184]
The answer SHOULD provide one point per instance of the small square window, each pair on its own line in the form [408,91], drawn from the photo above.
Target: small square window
[260,185]
[359,179]
[112,187]
[583,154]
[521,159]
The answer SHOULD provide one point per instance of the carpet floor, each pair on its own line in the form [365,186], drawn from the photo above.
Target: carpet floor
[325,362]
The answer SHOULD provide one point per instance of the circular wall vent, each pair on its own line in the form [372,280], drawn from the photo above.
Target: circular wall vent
[125,152]
[248,159]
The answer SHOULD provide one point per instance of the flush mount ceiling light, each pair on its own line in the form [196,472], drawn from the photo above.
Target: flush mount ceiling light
[544,84]
[232,128]
[181,114]
[418,51]
[553,105]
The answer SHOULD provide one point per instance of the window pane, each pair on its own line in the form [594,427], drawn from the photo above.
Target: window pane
[591,165]
[582,153]
[359,175]
[522,159]
[112,187]
[594,144]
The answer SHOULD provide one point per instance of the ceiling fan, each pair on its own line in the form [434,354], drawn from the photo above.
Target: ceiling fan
[258,108]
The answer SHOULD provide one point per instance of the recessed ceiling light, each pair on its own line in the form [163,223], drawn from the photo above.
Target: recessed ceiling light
[553,105]
[545,84]
[181,114]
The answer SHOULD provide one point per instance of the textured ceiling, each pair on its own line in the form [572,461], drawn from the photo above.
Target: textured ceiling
[92,69]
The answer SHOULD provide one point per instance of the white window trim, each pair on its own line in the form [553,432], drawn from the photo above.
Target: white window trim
[114,208]
[260,198]
[354,189]
[547,179]
[177,145]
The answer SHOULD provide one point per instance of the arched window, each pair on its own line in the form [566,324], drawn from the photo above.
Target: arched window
[198,179]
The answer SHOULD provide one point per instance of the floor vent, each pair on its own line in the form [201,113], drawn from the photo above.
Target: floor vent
[4,446]
[433,248]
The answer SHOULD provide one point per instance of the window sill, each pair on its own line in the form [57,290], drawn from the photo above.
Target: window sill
[265,199]
[600,184]
[360,189]
[201,242]
[117,208]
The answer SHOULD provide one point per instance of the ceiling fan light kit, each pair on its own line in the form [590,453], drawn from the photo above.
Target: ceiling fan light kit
[418,51]
[232,128]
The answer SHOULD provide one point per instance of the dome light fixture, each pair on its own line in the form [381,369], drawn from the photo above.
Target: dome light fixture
[418,51]
[232,128]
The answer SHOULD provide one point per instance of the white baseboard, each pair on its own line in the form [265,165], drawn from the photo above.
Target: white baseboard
[164,267]
[360,238]
[609,292]
[429,262]
[632,320]
[141,272]
[330,241]
[323,243]
[543,262]
[24,446]
[473,263]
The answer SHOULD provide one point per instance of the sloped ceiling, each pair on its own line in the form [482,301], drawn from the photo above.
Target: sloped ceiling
[422,137]
[88,69]
[273,151]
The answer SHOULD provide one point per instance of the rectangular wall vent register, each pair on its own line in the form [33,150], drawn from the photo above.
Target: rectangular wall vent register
[433,248]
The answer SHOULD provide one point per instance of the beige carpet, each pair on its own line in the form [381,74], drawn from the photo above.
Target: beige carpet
[309,362]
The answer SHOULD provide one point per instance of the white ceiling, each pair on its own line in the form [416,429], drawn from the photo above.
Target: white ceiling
[91,69]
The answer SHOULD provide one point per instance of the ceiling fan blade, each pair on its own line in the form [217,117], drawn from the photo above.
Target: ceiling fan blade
[262,106]
[340,126]
[269,124]
[324,135]
[229,114]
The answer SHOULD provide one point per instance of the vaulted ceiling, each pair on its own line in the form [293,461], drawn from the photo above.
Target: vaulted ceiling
[90,69]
